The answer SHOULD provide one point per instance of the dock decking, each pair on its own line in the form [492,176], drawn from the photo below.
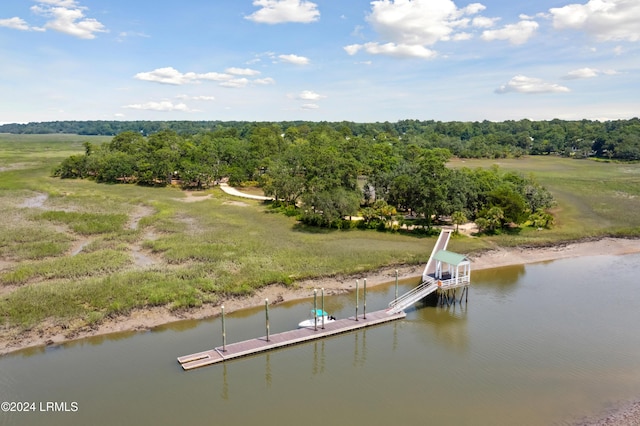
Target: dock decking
[287,338]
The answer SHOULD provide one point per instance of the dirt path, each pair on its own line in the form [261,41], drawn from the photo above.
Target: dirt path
[232,191]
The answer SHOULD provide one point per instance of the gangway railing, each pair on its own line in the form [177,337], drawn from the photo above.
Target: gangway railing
[409,298]
[441,244]
[428,285]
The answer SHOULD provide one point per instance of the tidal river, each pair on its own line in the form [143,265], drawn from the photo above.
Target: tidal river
[542,344]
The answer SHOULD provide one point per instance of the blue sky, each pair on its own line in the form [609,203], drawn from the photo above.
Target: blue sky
[333,60]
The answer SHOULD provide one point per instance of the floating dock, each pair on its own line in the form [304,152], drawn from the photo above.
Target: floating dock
[288,338]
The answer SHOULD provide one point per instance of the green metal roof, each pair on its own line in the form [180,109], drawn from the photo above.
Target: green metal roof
[450,257]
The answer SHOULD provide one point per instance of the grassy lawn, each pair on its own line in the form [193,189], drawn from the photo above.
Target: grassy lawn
[71,250]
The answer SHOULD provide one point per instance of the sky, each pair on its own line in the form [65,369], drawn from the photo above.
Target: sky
[319,60]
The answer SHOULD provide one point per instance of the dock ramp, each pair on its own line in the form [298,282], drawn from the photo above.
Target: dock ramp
[429,283]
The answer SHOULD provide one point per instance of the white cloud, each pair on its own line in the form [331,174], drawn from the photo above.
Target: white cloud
[15,23]
[462,36]
[170,75]
[419,22]
[410,28]
[484,22]
[515,33]
[127,34]
[392,49]
[61,3]
[264,81]
[604,19]
[308,95]
[280,11]
[587,73]
[159,106]
[309,106]
[235,83]
[473,8]
[352,49]
[294,59]
[582,73]
[242,71]
[68,18]
[530,85]
[211,76]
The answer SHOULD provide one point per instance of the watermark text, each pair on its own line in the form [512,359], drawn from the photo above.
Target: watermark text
[39,407]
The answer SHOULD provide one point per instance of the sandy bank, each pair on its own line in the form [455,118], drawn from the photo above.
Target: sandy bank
[144,319]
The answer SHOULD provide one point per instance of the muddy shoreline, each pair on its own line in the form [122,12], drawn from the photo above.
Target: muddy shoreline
[144,319]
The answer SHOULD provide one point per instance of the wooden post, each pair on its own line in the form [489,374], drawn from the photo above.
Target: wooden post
[315,309]
[356,300]
[364,307]
[322,304]
[266,312]
[396,298]
[224,332]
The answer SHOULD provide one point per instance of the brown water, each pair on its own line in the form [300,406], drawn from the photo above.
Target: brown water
[542,344]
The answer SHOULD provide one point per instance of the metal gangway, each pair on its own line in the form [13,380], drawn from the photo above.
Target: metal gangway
[429,284]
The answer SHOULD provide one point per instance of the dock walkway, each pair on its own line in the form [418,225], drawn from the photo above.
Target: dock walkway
[287,338]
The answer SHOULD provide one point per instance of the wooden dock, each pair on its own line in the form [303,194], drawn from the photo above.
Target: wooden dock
[288,338]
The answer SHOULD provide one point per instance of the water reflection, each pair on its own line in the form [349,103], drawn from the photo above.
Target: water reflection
[360,349]
[318,357]
[267,370]
[224,393]
[448,324]
[502,278]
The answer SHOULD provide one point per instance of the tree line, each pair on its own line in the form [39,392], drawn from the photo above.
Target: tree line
[615,139]
[323,175]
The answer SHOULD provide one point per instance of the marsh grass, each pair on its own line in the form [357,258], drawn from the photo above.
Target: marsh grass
[29,243]
[68,267]
[87,223]
[594,198]
[212,249]
[93,299]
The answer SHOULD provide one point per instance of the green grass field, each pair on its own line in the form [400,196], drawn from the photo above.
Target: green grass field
[593,198]
[73,252]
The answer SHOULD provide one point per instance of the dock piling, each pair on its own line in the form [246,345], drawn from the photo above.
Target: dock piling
[266,312]
[396,298]
[364,307]
[281,340]
[315,309]
[356,300]
[322,304]
[224,332]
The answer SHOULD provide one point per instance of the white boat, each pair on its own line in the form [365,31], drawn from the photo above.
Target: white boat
[316,319]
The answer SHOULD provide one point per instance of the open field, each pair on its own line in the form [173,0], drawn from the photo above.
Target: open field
[594,199]
[75,254]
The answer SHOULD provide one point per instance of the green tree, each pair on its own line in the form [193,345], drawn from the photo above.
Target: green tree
[458,218]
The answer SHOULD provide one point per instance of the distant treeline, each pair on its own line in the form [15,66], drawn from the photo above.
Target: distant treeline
[618,139]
